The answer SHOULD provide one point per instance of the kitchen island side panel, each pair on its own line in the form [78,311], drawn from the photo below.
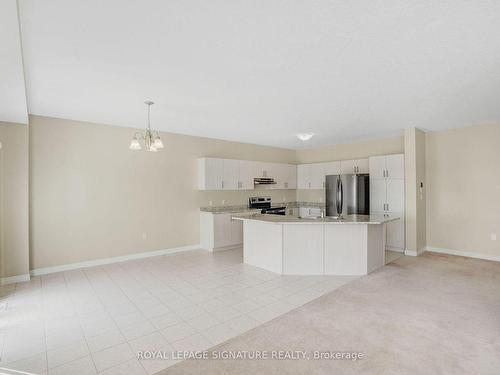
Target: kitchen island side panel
[263,245]
[303,249]
[376,247]
[346,249]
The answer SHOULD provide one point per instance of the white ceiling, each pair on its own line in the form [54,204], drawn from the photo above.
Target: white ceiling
[12,87]
[260,71]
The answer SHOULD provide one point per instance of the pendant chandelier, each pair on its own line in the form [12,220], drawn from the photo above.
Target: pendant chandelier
[152,141]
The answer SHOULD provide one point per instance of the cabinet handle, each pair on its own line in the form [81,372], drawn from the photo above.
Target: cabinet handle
[387,173]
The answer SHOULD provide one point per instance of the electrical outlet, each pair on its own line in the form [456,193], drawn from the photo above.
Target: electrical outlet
[223,202]
[493,236]
[284,199]
[144,235]
[210,203]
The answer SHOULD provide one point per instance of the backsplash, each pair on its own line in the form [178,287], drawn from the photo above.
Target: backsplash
[240,198]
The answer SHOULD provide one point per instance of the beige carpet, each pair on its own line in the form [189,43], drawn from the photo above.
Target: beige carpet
[435,314]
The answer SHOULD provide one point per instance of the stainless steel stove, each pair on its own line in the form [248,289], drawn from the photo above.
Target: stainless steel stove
[265,204]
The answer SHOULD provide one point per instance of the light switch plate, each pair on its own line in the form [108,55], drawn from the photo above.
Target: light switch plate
[493,236]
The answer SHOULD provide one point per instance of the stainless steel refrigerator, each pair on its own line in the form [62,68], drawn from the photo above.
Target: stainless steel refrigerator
[347,194]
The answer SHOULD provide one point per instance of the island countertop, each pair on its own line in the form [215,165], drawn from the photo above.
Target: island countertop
[288,219]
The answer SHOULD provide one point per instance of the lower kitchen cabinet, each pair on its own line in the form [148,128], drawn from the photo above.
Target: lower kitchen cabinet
[309,211]
[219,232]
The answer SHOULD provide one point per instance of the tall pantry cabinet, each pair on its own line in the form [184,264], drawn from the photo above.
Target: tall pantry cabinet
[387,188]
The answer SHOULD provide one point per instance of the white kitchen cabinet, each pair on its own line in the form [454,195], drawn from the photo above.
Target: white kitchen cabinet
[354,166]
[387,166]
[309,211]
[262,169]
[231,174]
[387,195]
[245,175]
[285,176]
[331,168]
[377,166]
[210,174]
[395,166]
[219,231]
[378,195]
[303,176]
[290,176]
[310,176]
[316,176]
[395,195]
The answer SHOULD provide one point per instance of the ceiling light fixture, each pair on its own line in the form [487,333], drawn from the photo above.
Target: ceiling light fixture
[152,140]
[304,136]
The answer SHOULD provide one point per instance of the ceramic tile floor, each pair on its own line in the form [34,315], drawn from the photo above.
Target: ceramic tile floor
[95,320]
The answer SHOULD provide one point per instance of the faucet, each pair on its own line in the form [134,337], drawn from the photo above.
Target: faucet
[322,213]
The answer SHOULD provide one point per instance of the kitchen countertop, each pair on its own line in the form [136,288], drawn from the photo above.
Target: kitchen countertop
[245,208]
[288,219]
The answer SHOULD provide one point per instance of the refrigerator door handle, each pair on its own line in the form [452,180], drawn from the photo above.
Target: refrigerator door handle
[340,196]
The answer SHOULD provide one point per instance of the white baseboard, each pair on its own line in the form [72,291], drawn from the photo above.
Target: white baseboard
[414,253]
[468,254]
[100,262]
[15,279]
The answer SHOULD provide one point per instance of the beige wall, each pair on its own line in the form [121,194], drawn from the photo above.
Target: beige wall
[91,197]
[14,212]
[356,150]
[463,197]
[415,198]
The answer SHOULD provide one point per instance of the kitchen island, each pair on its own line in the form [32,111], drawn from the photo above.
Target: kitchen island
[288,245]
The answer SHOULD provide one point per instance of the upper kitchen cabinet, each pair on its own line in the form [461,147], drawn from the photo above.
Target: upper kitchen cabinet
[245,175]
[210,174]
[303,176]
[310,176]
[316,176]
[224,174]
[285,176]
[231,174]
[290,176]
[261,169]
[387,166]
[331,168]
[354,166]
[395,166]
[377,166]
